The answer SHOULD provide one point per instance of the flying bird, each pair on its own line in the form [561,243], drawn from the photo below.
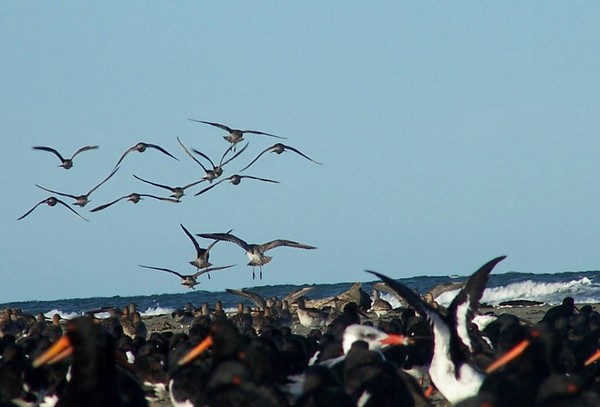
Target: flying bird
[235,135]
[66,163]
[255,252]
[216,171]
[279,148]
[141,147]
[135,198]
[81,200]
[235,180]
[452,368]
[52,201]
[177,192]
[189,280]
[202,255]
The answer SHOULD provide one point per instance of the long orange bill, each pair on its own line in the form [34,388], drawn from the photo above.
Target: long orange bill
[60,350]
[395,339]
[508,356]
[197,351]
[592,358]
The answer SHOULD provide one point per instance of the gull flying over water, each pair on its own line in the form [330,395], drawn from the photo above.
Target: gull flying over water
[141,147]
[235,135]
[66,163]
[279,148]
[189,280]
[256,252]
[81,200]
[51,201]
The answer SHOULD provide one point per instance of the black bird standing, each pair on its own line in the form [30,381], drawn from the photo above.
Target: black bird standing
[95,379]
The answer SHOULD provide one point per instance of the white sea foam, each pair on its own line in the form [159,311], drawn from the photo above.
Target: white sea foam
[63,315]
[156,311]
[583,290]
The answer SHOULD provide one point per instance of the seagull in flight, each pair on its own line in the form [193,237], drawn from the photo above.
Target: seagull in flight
[52,201]
[235,136]
[279,148]
[189,280]
[141,147]
[256,252]
[66,163]
[81,200]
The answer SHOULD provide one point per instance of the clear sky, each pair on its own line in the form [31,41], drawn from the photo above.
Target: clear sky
[449,133]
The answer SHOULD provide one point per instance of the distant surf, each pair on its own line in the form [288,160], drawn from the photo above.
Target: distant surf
[547,288]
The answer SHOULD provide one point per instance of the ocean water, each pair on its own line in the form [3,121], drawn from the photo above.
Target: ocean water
[548,288]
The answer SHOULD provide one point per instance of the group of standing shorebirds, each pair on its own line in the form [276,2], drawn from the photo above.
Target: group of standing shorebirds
[212,174]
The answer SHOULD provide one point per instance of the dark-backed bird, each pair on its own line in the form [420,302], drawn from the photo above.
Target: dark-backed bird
[202,255]
[95,378]
[209,173]
[256,252]
[177,192]
[134,198]
[141,147]
[51,201]
[81,200]
[235,135]
[279,148]
[452,369]
[235,180]
[218,169]
[189,280]
[66,163]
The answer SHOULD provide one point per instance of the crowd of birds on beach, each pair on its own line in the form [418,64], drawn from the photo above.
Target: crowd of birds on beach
[212,174]
[348,350]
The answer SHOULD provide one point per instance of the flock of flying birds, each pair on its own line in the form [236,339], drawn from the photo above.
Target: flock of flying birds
[212,175]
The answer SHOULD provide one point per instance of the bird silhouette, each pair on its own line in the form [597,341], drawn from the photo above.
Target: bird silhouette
[177,192]
[256,252]
[141,147]
[235,135]
[66,163]
[189,280]
[133,197]
[235,180]
[279,148]
[81,200]
[51,201]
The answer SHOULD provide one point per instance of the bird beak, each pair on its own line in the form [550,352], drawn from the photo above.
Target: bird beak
[197,351]
[57,352]
[508,356]
[592,358]
[395,339]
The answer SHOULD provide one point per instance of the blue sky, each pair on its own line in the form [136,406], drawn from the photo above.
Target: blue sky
[449,133]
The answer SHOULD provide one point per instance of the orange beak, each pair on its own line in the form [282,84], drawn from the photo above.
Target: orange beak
[592,358]
[57,352]
[508,356]
[197,351]
[395,339]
